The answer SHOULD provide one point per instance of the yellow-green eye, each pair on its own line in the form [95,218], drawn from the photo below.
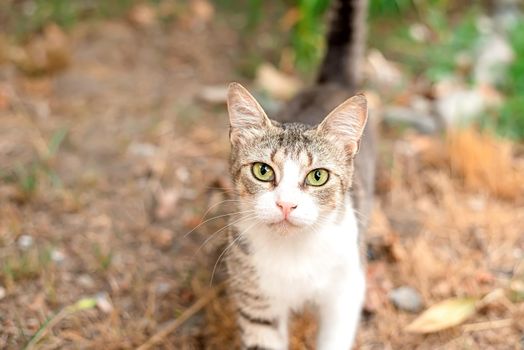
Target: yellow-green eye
[317,177]
[263,172]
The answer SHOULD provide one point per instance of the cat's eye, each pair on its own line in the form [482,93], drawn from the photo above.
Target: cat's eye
[263,172]
[317,177]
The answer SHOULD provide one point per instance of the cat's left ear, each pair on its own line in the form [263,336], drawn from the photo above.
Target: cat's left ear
[346,122]
[246,117]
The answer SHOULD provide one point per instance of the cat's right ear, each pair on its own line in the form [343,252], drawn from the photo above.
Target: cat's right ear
[246,118]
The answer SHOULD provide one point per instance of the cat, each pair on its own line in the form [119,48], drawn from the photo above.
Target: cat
[304,185]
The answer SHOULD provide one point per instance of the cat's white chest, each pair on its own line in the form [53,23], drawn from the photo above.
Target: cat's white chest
[297,269]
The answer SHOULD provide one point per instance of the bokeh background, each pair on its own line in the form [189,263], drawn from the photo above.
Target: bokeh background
[114,180]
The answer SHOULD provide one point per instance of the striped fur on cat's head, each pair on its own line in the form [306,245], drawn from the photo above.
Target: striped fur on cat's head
[293,176]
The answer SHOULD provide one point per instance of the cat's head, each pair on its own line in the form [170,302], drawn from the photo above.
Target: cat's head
[292,176]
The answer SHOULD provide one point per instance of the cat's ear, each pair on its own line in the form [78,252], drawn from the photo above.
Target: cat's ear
[346,122]
[246,117]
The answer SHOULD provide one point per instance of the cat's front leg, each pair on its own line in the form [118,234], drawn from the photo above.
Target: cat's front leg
[340,311]
[267,330]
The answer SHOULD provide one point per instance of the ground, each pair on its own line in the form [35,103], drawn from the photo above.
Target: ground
[109,164]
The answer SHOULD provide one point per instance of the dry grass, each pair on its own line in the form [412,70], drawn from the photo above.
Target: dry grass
[142,160]
[483,162]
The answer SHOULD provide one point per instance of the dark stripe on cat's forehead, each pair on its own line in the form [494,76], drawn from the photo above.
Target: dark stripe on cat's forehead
[292,141]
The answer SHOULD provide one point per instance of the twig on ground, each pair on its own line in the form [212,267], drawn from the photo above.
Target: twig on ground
[482,326]
[172,325]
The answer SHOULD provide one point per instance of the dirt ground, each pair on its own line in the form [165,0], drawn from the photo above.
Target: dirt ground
[109,211]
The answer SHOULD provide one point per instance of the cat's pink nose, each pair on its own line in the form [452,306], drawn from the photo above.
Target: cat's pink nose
[286,207]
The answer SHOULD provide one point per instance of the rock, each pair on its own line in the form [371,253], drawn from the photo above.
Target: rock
[2,292]
[406,299]
[142,149]
[162,288]
[104,303]
[420,32]
[507,14]
[57,256]
[422,122]
[25,242]
[459,105]
[493,55]
[86,281]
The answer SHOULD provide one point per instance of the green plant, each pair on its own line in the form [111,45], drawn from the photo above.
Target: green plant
[307,36]
[510,122]
[452,40]
[30,175]
[103,257]
[22,18]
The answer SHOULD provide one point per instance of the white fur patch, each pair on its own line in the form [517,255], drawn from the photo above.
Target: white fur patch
[321,266]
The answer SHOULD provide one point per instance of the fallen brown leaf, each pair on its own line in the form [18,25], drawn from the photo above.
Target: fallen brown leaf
[445,314]
[276,83]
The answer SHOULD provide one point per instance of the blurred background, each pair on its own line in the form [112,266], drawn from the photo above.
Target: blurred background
[114,180]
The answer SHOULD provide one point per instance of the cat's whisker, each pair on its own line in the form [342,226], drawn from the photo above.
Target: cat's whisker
[221,189]
[217,204]
[248,217]
[216,217]
[229,246]
[357,212]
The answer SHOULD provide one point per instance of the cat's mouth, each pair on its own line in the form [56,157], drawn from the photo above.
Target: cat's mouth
[283,224]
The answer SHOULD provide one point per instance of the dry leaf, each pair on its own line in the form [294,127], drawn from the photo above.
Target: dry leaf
[483,161]
[213,94]
[45,53]
[203,10]
[445,314]
[4,97]
[276,83]
[142,15]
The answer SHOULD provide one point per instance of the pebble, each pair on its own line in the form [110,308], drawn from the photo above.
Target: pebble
[406,299]
[421,121]
[103,302]
[25,242]
[143,149]
[86,281]
[2,292]
[57,256]
[162,288]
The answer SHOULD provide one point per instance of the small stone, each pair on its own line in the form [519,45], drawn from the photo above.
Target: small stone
[421,121]
[2,292]
[86,281]
[57,256]
[420,33]
[495,53]
[162,288]
[103,302]
[25,242]
[406,299]
[142,149]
